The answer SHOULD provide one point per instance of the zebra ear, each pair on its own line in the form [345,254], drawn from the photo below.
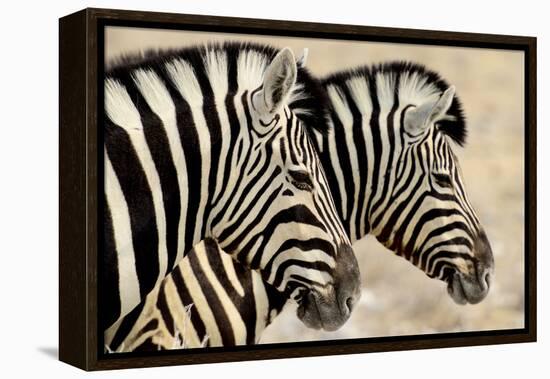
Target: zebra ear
[417,120]
[279,78]
[301,62]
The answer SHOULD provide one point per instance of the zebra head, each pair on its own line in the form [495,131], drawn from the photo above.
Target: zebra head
[278,216]
[429,219]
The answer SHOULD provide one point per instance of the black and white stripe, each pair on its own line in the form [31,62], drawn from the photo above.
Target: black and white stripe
[403,187]
[393,174]
[209,299]
[191,153]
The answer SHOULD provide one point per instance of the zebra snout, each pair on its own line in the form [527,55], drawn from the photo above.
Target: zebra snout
[331,308]
[483,253]
[473,286]
[468,289]
[347,280]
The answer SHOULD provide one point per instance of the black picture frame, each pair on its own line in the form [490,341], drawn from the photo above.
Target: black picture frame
[81,57]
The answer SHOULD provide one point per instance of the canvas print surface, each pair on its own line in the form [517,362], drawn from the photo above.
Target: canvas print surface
[266,189]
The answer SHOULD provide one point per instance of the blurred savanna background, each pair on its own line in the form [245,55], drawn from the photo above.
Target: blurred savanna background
[397,298]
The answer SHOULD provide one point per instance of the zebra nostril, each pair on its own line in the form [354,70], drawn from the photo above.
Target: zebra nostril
[487,279]
[349,304]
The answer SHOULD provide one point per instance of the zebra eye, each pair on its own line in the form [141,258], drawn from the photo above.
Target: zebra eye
[301,180]
[300,295]
[443,180]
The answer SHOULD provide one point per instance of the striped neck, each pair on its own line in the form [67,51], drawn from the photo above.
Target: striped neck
[361,151]
[376,171]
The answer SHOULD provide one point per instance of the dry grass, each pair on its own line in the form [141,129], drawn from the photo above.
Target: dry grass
[178,341]
[164,340]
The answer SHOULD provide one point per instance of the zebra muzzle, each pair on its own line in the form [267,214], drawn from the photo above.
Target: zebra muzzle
[465,289]
[473,287]
[331,308]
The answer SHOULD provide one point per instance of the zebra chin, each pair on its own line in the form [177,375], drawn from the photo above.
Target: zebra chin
[330,308]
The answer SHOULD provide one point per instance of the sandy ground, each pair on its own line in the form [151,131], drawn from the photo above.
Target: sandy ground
[398,299]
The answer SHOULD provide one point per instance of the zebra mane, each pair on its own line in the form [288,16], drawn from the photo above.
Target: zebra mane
[308,100]
[416,83]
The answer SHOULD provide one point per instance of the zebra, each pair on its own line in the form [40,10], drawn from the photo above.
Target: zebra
[392,173]
[209,299]
[205,142]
